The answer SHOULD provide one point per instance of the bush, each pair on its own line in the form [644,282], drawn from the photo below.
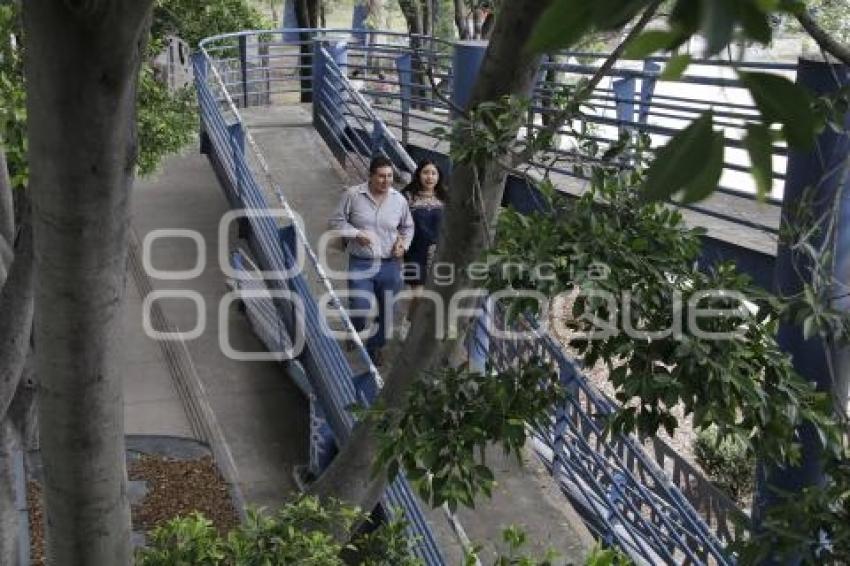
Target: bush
[301,532]
[728,463]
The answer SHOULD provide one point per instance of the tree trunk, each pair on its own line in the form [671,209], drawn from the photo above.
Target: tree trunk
[9,523]
[82,61]
[507,69]
[415,18]
[16,314]
[16,311]
[306,14]
[7,218]
[461,21]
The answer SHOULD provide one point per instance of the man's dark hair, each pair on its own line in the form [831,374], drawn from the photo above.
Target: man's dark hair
[378,162]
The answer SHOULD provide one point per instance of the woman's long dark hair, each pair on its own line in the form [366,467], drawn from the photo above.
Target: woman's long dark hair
[412,189]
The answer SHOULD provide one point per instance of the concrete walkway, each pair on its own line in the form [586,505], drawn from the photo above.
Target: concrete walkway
[303,167]
[251,412]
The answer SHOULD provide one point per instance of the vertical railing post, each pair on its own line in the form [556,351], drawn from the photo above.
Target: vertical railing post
[318,81]
[376,139]
[237,149]
[243,67]
[404,67]
[819,169]
[339,55]
[478,345]
[201,69]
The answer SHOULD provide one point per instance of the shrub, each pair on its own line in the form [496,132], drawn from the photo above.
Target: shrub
[728,463]
[301,532]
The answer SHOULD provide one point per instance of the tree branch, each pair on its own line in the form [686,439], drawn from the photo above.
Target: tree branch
[571,110]
[822,38]
[7,204]
[16,312]
[7,219]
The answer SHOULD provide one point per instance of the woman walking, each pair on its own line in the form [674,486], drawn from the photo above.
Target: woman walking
[426,195]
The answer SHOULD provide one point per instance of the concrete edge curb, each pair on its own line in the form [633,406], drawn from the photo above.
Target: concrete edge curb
[187,383]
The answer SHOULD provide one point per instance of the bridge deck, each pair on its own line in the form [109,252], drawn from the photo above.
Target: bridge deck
[261,415]
[304,168]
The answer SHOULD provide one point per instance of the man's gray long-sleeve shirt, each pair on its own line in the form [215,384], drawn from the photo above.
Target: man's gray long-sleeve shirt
[358,211]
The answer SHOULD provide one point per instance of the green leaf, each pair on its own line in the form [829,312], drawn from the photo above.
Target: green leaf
[675,67]
[755,21]
[780,100]
[758,142]
[703,184]
[651,41]
[718,22]
[614,14]
[561,25]
[681,162]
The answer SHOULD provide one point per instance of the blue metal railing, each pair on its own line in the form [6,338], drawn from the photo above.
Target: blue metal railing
[626,499]
[332,379]
[624,493]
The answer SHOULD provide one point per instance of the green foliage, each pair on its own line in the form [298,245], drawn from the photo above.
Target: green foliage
[301,532]
[727,462]
[698,146]
[514,539]
[633,265]
[166,121]
[192,21]
[812,526]
[601,556]
[184,541]
[451,416]
[13,112]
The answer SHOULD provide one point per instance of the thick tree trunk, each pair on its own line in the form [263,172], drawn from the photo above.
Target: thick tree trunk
[16,314]
[9,523]
[81,63]
[461,21]
[307,16]
[16,311]
[507,69]
[7,218]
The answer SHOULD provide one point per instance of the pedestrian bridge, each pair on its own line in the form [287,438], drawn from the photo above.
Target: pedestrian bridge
[265,97]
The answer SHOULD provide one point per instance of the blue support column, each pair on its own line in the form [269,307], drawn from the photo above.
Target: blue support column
[404,67]
[358,22]
[466,62]
[816,168]
[290,21]
[624,98]
[647,88]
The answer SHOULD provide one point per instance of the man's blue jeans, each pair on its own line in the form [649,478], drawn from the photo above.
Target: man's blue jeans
[383,284]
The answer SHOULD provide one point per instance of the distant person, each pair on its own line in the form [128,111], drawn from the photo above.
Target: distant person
[375,218]
[426,195]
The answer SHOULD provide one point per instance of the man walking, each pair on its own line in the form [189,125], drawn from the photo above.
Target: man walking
[375,220]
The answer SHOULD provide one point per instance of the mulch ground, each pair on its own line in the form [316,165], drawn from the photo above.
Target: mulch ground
[175,488]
